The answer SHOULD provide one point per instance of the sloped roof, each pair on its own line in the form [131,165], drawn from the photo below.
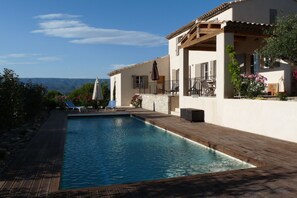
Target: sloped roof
[117,71]
[223,7]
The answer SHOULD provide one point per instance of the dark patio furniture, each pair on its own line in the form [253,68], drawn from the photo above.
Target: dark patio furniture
[193,115]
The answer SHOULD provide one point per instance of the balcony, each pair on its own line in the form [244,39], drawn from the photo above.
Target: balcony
[202,86]
[169,87]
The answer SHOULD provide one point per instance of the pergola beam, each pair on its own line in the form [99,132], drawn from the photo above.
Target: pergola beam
[203,33]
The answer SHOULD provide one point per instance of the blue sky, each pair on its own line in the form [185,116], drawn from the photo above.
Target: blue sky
[88,38]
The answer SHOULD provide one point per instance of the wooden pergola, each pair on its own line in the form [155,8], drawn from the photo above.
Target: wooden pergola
[202,35]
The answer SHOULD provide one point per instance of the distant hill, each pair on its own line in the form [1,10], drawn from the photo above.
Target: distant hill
[63,85]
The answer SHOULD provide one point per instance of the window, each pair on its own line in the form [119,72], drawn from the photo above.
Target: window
[273,16]
[140,82]
[205,71]
[213,69]
[178,40]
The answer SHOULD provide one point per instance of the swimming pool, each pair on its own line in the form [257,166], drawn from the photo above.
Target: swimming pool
[105,150]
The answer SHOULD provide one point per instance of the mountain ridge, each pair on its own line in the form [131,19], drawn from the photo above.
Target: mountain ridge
[63,85]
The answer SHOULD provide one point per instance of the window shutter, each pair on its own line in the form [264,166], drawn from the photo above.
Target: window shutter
[213,68]
[134,82]
[198,71]
[145,82]
[256,63]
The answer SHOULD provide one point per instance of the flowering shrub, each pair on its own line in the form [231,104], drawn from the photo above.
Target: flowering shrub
[252,85]
[136,100]
[295,74]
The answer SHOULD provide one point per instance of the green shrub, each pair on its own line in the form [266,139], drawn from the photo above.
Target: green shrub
[52,99]
[234,69]
[11,105]
[282,96]
[33,96]
[83,95]
[252,85]
[19,101]
[3,154]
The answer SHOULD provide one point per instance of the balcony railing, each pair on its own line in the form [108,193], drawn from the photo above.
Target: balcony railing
[202,86]
[199,86]
[167,87]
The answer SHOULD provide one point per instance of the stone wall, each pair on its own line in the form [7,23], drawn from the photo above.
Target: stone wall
[158,103]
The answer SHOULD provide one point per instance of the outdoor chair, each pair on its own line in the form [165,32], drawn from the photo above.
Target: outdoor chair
[193,90]
[69,105]
[174,90]
[207,90]
[111,105]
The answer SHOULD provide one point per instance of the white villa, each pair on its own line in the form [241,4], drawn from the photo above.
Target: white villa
[195,74]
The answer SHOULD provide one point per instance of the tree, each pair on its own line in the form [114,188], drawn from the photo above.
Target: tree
[283,42]
[52,99]
[11,104]
[19,101]
[83,95]
[33,96]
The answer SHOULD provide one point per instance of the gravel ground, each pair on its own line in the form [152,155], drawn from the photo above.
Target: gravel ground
[12,142]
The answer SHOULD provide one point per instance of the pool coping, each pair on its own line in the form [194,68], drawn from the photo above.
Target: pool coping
[276,164]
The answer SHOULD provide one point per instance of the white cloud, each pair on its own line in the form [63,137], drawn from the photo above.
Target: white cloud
[25,59]
[80,33]
[118,66]
[16,55]
[6,63]
[56,16]
[48,58]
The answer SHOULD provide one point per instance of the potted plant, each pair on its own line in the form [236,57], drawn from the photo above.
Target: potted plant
[136,101]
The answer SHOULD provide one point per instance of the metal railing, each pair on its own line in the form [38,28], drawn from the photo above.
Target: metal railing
[199,86]
[202,86]
[166,87]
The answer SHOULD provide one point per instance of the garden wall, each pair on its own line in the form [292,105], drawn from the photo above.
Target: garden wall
[272,118]
[275,119]
[158,103]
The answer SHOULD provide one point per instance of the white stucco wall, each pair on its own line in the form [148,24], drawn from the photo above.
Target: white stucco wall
[275,119]
[174,59]
[209,105]
[258,10]
[116,79]
[281,75]
[124,83]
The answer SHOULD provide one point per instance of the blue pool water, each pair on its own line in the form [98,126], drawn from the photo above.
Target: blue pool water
[107,150]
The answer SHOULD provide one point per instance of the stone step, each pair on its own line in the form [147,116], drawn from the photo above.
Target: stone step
[176,112]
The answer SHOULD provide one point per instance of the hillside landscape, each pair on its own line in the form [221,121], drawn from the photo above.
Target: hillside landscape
[63,85]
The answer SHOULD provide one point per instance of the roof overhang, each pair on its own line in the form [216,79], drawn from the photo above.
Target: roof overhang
[202,35]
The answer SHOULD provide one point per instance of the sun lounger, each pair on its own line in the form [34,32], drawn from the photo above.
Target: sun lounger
[70,105]
[111,105]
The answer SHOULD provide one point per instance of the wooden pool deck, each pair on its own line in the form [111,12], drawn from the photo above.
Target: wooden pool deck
[36,172]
